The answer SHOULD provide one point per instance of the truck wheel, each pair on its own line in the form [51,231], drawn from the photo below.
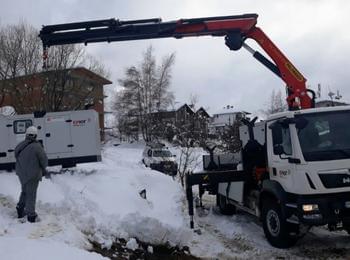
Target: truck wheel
[276,229]
[225,208]
[68,165]
[347,228]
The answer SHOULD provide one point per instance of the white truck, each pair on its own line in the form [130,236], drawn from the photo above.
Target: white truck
[294,173]
[158,157]
[68,137]
[297,173]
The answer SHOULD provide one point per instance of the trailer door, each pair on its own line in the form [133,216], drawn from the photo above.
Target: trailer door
[6,152]
[58,137]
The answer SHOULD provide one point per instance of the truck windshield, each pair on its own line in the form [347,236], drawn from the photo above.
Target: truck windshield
[326,136]
[162,153]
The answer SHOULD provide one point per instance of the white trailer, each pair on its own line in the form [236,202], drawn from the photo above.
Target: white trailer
[68,137]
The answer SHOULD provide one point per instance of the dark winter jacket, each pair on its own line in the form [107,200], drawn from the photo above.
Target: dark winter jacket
[31,160]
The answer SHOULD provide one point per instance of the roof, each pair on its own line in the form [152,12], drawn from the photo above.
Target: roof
[229,110]
[92,75]
[201,109]
[328,103]
[177,106]
[307,111]
[79,70]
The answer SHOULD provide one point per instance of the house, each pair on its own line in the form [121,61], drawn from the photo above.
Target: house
[329,103]
[184,116]
[224,117]
[55,90]
[201,121]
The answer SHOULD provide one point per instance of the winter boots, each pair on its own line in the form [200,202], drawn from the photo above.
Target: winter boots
[20,212]
[33,219]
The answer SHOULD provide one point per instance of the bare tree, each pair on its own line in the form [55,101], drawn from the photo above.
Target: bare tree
[55,89]
[145,90]
[275,104]
[188,159]
[19,56]
[229,140]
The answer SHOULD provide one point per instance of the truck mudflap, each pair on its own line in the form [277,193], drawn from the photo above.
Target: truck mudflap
[331,209]
[209,181]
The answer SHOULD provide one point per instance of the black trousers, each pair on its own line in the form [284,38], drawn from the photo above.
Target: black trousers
[27,199]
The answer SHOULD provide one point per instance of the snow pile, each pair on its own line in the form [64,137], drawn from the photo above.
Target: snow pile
[100,202]
[96,201]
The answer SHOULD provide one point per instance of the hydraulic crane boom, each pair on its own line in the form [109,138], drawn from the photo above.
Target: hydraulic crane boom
[235,29]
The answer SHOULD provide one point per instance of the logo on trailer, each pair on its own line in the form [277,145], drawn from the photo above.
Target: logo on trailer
[55,119]
[79,122]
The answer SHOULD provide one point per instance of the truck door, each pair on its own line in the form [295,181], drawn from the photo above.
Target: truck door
[280,148]
[57,134]
[5,150]
[15,133]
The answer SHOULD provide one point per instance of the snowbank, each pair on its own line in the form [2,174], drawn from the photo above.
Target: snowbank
[14,248]
[101,201]
[96,201]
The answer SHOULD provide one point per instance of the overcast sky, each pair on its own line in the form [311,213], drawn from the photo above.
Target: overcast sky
[312,33]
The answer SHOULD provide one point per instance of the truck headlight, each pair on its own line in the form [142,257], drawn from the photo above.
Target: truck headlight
[310,207]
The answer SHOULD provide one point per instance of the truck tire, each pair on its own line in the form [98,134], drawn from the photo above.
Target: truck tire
[225,208]
[347,227]
[68,165]
[276,229]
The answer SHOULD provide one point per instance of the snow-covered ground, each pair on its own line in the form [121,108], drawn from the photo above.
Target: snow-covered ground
[101,202]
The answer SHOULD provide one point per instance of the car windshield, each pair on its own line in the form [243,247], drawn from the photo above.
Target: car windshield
[326,136]
[161,153]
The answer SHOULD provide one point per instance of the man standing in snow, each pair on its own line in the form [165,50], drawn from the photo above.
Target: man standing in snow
[31,163]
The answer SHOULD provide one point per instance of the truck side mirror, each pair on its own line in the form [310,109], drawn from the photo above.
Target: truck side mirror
[278,149]
[301,122]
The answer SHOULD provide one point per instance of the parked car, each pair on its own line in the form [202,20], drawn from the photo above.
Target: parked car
[159,158]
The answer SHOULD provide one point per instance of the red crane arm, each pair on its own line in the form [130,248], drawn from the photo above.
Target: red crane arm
[235,29]
[296,83]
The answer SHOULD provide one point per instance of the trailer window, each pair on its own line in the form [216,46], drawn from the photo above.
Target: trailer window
[20,126]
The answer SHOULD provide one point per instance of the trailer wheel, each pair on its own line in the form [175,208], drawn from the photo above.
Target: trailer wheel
[276,229]
[225,208]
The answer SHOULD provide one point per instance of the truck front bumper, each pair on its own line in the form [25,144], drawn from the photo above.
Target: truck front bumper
[167,168]
[324,209]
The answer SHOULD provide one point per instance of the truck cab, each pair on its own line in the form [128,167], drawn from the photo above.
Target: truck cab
[298,173]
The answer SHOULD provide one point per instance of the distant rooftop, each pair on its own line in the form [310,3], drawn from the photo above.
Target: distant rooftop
[229,110]
[329,103]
